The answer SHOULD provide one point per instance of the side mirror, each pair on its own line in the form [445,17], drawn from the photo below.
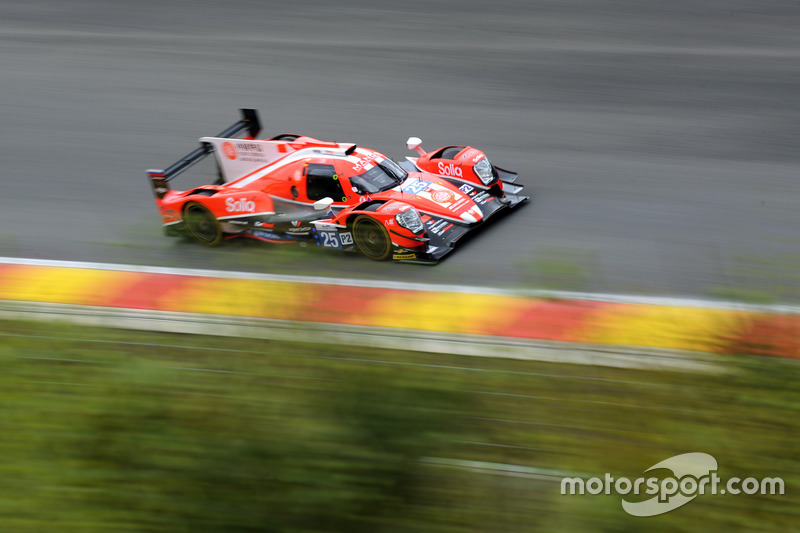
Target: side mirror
[415,143]
[324,204]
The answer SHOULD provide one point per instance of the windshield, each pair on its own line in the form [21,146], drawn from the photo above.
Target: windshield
[382,177]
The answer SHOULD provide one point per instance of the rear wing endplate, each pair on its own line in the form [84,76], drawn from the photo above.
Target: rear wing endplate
[159,178]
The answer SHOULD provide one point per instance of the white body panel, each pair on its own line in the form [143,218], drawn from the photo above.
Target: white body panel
[239,157]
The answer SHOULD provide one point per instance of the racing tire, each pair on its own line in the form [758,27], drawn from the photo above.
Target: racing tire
[371,238]
[201,225]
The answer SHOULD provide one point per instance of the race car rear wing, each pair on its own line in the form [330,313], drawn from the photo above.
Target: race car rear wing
[160,178]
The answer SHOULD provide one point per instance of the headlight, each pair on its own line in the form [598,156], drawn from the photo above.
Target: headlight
[410,220]
[483,169]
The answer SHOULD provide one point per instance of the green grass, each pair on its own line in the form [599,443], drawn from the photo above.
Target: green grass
[107,430]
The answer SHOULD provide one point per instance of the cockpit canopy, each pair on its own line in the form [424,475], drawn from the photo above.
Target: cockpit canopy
[384,175]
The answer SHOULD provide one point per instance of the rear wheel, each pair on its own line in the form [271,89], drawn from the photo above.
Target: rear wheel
[372,238]
[201,225]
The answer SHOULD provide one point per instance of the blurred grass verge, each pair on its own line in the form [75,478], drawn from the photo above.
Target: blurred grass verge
[109,430]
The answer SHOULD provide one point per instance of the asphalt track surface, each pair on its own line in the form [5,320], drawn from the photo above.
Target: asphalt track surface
[661,139]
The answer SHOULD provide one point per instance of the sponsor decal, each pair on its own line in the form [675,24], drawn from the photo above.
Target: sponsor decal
[466,188]
[457,205]
[229,150]
[404,255]
[263,234]
[442,197]
[251,152]
[413,186]
[481,197]
[244,151]
[299,229]
[439,227]
[239,205]
[366,160]
[449,169]
[388,222]
[473,154]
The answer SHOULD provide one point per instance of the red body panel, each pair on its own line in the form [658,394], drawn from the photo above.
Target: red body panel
[284,178]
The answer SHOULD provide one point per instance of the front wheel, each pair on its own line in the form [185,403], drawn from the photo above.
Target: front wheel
[372,238]
[201,225]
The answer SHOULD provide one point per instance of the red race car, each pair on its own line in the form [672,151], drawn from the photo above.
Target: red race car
[292,188]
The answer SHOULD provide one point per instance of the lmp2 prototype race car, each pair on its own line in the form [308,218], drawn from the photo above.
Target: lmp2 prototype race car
[292,188]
